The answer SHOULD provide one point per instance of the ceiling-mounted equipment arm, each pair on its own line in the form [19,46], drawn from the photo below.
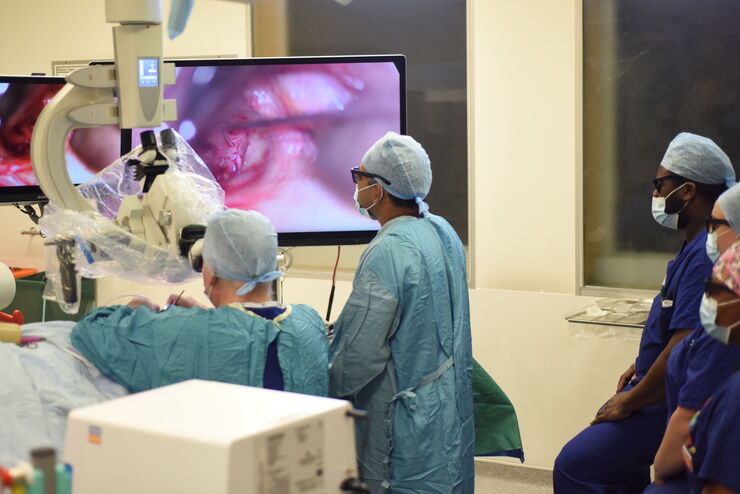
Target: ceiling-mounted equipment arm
[75,106]
[89,98]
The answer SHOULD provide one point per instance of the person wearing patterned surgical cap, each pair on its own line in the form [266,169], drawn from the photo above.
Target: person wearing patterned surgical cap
[711,450]
[247,338]
[402,347]
[720,313]
[699,364]
[723,225]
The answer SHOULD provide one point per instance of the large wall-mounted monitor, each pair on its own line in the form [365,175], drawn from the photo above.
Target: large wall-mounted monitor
[281,134]
[21,101]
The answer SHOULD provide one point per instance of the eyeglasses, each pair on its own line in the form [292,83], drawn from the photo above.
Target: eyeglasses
[658,182]
[357,173]
[712,288]
[712,223]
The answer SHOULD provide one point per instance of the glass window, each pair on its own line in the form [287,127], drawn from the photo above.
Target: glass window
[651,69]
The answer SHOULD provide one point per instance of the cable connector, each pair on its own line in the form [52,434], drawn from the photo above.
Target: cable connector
[355,485]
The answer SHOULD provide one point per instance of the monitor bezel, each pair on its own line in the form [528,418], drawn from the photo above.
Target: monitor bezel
[30,194]
[26,194]
[295,239]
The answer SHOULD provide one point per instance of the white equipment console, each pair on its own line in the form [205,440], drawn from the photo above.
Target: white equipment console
[205,437]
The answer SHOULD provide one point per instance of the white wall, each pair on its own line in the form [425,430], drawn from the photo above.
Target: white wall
[555,381]
[524,62]
[523,79]
[35,32]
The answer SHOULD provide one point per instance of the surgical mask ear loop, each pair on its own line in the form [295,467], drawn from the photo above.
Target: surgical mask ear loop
[729,302]
[726,231]
[724,304]
[209,290]
[365,211]
[671,193]
[376,202]
[365,188]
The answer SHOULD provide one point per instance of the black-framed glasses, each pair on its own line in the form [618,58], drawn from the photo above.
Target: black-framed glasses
[713,223]
[713,288]
[357,173]
[658,182]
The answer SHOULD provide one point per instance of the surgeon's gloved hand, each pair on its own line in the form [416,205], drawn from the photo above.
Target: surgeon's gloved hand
[617,408]
[183,301]
[625,378]
[139,301]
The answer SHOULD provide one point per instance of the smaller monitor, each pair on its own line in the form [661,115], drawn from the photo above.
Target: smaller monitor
[22,98]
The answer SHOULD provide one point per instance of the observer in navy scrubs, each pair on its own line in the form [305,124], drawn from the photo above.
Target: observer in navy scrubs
[713,454]
[699,364]
[615,452]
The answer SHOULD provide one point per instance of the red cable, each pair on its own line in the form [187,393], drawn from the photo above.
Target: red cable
[336,264]
[333,285]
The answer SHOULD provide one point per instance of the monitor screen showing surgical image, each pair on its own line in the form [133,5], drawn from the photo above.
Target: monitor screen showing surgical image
[21,101]
[281,135]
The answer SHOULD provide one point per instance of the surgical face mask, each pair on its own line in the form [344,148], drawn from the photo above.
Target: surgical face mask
[712,250]
[708,316]
[365,211]
[665,219]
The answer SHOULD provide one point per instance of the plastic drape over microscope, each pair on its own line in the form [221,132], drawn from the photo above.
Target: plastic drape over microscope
[98,246]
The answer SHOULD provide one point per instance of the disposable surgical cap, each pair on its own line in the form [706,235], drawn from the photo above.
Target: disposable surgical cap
[241,246]
[698,159]
[402,161]
[729,203]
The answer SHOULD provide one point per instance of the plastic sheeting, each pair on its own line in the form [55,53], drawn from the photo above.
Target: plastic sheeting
[95,245]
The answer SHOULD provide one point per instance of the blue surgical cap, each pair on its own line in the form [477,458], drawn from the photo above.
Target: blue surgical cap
[402,161]
[241,246]
[729,203]
[698,159]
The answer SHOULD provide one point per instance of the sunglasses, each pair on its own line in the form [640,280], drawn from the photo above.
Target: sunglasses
[658,182]
[357,173]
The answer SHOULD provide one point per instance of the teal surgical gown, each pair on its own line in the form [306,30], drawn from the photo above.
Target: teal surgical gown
[402,351]
[141,349]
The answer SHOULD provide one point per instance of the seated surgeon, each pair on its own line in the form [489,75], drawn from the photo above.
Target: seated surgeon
[614,454]
[712,452]
[698,365]
[248,338]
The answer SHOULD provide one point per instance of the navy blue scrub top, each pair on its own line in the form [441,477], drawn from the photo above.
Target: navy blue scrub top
[697,366]
[273,378]
[676,307]
[715,434]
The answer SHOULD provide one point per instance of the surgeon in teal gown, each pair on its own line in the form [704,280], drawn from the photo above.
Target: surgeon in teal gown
[402,345]
[248,338]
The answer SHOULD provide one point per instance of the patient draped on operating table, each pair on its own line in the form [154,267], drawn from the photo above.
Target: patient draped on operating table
[247,338]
